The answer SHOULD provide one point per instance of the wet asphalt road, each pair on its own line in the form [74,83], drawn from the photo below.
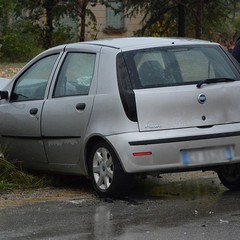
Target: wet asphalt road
[178,206]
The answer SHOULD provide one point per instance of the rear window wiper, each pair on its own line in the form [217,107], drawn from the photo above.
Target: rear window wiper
[214,80]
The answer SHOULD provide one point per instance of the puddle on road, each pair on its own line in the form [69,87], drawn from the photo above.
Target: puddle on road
[185,185]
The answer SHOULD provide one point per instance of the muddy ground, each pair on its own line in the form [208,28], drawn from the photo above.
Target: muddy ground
[74,188]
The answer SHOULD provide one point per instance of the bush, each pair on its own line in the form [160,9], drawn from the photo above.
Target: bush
[62,34]
[19,43]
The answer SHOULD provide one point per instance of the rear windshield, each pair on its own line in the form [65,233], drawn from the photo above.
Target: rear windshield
[161,67]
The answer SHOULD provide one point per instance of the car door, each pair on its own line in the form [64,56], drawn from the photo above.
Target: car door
[184,86]
[66,112]
[20,126]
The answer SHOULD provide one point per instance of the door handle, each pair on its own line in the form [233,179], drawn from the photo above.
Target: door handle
[33,111]
[80,106]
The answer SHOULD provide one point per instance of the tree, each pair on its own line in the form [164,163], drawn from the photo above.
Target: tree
[192,18]
[52,11]
[181,18]
[153,12]
[18,41]
[78,10]
[43,13]
[8,8]
[49,6]
[199,18]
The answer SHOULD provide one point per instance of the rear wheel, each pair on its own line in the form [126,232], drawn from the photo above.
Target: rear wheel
[107,176]
[230,176]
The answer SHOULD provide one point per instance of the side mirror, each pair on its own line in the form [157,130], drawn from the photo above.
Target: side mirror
[3,95]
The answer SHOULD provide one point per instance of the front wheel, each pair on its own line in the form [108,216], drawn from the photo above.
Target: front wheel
[230,176]
[105,171]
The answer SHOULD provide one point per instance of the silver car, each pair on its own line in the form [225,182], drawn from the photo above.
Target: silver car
[108,109]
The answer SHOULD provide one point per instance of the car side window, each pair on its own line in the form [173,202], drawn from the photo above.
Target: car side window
[75,75]
[32,84]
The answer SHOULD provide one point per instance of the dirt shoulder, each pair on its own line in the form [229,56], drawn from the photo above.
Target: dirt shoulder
[65,188]
[8,70]
[78,189]
[22,197]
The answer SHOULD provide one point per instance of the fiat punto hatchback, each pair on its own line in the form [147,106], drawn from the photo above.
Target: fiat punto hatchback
[112,108]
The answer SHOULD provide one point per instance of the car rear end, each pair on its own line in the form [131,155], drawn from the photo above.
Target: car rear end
[184,96]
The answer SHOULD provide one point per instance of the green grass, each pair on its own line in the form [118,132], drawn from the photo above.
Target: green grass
[11,177]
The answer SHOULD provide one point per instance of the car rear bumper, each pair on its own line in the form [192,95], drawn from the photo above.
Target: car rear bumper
[178,149]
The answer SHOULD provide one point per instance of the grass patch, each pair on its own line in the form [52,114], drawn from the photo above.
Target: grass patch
[12,178]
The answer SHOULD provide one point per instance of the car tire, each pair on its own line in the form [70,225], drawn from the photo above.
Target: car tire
[230,176]
[107,176]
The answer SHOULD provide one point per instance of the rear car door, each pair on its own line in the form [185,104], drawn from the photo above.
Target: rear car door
[167,90]
[67,111]
[20,122]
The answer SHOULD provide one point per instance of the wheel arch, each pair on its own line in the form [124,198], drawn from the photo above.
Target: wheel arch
[93,140]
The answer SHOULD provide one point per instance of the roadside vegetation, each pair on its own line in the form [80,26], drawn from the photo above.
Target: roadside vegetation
[12,177]
[29,27]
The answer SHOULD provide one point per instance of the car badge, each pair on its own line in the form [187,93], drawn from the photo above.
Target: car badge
[202,98]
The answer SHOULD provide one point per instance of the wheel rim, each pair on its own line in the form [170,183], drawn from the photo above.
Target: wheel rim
[103,168]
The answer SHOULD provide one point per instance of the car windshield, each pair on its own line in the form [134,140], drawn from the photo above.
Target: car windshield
[161,67]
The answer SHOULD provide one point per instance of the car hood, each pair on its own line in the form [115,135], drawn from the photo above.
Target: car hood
[4,82]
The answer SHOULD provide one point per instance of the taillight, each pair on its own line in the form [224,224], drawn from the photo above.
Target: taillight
[141,154]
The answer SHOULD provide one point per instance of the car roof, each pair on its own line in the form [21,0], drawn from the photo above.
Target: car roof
[142,42]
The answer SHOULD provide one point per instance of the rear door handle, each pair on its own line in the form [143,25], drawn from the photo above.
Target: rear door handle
[33,111]
[80,106]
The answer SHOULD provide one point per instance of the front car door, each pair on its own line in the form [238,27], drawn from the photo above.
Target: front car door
[67,110]
[20,121]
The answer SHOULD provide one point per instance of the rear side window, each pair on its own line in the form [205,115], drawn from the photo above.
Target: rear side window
[159,67]
[76,74]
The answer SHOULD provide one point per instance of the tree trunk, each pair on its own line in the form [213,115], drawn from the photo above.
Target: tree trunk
[199,19]
[82,6]
[82,25]
[181,18]
[49,6]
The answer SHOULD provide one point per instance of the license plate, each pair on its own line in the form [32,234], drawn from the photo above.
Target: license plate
[207,155]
